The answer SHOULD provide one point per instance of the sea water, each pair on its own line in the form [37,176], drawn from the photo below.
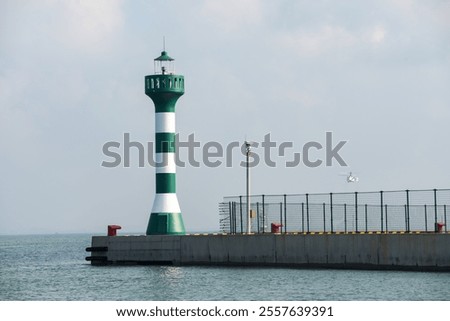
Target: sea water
[53,267]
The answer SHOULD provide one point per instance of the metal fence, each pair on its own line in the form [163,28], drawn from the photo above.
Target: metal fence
[383,211]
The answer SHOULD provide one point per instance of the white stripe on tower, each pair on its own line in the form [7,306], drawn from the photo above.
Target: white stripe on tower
[165,122]
[166,203]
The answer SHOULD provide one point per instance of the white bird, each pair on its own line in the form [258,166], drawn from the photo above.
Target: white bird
[350,177]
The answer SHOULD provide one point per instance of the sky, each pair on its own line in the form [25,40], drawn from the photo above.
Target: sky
[374,73]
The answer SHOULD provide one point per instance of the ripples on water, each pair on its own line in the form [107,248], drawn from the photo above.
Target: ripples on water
[52,267]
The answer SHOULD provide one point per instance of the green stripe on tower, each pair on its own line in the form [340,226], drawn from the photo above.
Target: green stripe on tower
[165,223]
[165,107]
[165,142]
[165,183]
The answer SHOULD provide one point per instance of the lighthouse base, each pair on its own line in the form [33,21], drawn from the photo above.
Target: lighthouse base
[166,224]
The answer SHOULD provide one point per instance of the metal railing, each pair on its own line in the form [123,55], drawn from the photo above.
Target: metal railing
[383,211]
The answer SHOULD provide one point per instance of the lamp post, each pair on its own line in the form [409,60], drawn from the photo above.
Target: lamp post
[249,225]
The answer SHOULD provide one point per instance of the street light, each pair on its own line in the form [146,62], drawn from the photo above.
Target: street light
[249,225]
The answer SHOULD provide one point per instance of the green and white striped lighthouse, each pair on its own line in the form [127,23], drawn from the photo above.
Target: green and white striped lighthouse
[164,88]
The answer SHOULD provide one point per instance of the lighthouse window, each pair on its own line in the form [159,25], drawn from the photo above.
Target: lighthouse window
[157,82]
[152,84]
[175,83]
[170,83]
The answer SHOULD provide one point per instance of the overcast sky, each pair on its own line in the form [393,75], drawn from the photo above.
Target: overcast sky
[376,74]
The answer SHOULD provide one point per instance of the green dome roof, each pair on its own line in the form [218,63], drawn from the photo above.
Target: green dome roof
[164,57]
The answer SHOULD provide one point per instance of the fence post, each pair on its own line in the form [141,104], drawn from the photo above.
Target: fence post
[324,224]
[365,215]
[263,215]
[240,209]
[303,217]
[356,211]
[435,210]
[445,217]
[285,215]
[231,218]
[331,211]
[307,212]
[235,218]
[345,218]
[257,216]
[386,211]
[406,218]
[407,211]
[281,216]
[381,207]
[426,219]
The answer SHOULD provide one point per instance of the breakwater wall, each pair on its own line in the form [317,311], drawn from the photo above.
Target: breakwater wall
[406,251]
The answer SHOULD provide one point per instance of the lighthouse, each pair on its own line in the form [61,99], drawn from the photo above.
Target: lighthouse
[164,87]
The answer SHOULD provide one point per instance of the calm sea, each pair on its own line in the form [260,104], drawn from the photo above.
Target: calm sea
[52,267]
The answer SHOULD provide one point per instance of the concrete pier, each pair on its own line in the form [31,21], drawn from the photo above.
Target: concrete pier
[408,251]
